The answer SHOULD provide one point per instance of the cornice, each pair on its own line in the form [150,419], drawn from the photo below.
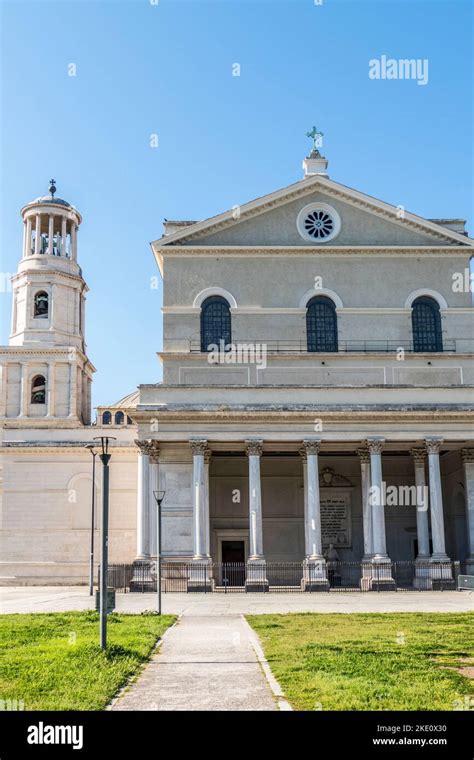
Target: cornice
[307,416]
[256,310]
[309,356]
[6,351]
[61,447]
[41,274]
[350,251]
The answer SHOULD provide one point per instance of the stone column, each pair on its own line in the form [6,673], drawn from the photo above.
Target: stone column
[24,390]
[364,456]
[63,236]
[52,306]
[50,390]
[154,484]
[50,234]
[468,463]
[433,446]
[304,459]
[440,570]
[73,241]
[199,448]
[38,234]
[314,568]
[381,563]
[200,571]
[422,578]
[422,526]
[24,240]
[28,237]
[254,452]
[72,388]
[207,513]
[143,501]
[256,566]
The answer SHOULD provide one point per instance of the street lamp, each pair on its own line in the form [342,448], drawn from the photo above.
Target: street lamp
[104,458]
[159,496]
[91,448]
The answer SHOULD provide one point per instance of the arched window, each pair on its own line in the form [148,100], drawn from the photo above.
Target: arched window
[41,305]
[215,323]
[426,325]
[321,324]
[119,418]
[106,418]
[38,390]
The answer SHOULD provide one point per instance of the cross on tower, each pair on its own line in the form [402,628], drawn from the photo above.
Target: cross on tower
[316,136]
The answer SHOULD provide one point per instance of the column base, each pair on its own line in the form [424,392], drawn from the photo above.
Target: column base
[315,575]
[377,575]
[441,573]
[422,579]
[143,576]
[470,565]
[200,578]
[256,577]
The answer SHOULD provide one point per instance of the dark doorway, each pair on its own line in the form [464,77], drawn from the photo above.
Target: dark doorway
[233,563]
[233,551]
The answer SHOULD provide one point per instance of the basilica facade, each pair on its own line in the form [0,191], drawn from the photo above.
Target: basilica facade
[316,402]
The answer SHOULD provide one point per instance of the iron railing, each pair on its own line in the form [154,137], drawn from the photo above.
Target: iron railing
[284,577]
[343,346]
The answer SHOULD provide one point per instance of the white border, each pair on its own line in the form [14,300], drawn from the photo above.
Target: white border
[321,292]
[214,291]
[426,292]
[318,207]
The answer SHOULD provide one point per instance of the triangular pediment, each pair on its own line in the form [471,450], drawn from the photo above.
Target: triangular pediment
[272,221]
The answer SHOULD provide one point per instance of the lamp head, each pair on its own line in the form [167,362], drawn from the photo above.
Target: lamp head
[159,496]
[104,444]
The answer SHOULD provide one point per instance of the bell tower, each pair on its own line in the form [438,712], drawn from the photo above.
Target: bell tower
[46,374]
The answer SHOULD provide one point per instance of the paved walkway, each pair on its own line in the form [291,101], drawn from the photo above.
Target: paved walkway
[202,664]
[62,598]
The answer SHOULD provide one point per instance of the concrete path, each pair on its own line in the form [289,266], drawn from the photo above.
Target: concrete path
[62,598]
[202,664]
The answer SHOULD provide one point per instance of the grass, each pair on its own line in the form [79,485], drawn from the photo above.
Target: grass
[403,661]
[54,662]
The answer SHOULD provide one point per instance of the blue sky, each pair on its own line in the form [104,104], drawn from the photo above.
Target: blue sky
[166,69]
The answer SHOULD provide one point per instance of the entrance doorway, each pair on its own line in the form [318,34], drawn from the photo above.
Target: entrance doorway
[233,551]
[233,563]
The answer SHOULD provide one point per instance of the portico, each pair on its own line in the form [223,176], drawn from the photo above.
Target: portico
[289,502]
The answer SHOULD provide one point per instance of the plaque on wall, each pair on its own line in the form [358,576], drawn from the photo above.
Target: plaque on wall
[335,518]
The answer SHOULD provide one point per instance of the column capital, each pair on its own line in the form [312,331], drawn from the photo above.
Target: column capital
[154,451]
[364,455]
[198,446]
[303,455]
[312,447]
[150,448]
[433,445]
[207,455]
[419,456]
[375,445]
[467,455]
[254,448]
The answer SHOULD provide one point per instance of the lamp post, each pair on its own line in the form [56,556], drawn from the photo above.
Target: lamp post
[159,496]
[104,535]
[90,447]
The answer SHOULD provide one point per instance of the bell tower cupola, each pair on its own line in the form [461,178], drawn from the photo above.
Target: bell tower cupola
[48,289]
[45,373]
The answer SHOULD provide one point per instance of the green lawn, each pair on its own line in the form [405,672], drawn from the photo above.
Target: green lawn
[386,661]
[54,662]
